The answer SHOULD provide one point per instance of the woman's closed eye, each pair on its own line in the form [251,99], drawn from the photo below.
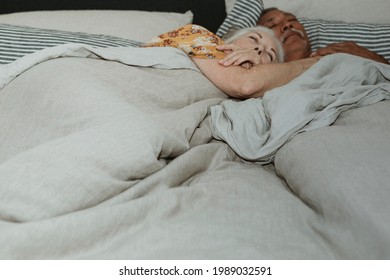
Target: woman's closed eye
[254,38]
[272,55]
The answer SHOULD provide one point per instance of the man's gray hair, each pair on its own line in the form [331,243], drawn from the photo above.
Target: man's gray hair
[237,33]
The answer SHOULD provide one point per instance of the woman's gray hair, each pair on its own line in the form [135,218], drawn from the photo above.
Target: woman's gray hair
[237,33]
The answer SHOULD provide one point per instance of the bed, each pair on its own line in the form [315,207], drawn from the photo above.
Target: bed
[104,155]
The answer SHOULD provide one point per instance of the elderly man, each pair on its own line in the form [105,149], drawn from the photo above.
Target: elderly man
[296,43]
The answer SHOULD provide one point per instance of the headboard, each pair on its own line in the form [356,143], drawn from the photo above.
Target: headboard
[208,13]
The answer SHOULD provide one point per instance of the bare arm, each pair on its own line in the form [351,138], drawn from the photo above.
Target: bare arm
[243,83]
[350,48]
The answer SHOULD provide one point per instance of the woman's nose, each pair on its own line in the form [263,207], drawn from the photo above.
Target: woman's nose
[259,49]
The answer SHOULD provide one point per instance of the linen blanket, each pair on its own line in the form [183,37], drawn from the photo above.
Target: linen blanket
[255,129]
[104,160]
[101,160]
[88,120]
[164,58]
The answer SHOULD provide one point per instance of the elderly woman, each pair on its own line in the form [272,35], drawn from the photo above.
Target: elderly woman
[253,55]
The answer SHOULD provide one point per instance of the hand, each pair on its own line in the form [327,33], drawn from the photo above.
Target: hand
[229,48]
[238,56]
[349,48]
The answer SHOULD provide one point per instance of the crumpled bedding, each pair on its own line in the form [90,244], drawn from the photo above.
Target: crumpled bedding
[66,131]
[256,128]
[104,160]
[163,58]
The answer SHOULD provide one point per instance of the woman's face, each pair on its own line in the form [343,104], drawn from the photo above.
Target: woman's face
[262,42]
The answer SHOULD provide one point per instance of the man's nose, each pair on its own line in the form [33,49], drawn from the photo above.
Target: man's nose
[286,26]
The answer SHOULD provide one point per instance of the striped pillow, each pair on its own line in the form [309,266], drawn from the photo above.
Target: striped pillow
[18,41]
[375,37]
[245,13]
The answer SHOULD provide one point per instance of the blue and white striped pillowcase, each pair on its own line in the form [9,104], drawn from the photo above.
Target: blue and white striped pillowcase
[245,13]
[375,37]
[18,41]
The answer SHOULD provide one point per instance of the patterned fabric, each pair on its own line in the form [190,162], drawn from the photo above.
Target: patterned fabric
[245,13]
[194,40]
[18,41]
[375,37]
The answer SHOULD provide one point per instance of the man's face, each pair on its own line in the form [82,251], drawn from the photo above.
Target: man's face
[290,31]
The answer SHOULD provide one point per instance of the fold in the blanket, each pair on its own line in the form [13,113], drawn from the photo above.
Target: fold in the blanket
[162,58]
[79,131]
[256,128]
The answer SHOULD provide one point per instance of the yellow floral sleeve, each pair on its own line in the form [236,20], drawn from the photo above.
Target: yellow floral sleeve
[193,39]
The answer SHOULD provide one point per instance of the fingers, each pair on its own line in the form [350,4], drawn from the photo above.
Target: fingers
[349,47]
[341,47]
[324,51]
[228,47]
[246,65]
[234,59]
[239,57]
[229,59]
